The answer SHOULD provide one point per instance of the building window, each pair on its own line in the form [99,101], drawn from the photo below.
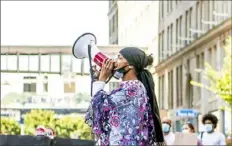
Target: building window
[113,28]
[29,84]
[23,62]
[12,62]
[161,92]
[168,6]
[214,57]
[76,66]
[45,84]
[66,63]
[177,34]
[180,32]
[171,6]
[116,20]
[179,86]
[162,97]
[55,63]
[201,14]
[86,65]
[186,27]
[69,87]
[168,43]
[45,63]
[171,38]
[198,76]
[162,9]
[162,48]
[190,23]
[210,56]
[170,90]
[110,30]
[33,62]
[197,19]
[3,62]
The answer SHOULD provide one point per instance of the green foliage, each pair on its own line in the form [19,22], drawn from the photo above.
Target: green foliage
[82,97]
[72,125]
[220,81]
[16,98]
[36,118]
[66,127]
[10,126]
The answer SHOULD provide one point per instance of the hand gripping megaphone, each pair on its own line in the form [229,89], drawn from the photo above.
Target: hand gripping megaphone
[80,51]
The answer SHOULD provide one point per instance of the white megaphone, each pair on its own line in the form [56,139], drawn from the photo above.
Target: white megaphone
[80,51]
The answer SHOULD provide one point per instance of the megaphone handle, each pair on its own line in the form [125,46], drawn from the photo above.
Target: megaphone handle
[91,70]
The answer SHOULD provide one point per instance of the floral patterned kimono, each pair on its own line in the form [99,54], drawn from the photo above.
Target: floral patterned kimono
[122,117]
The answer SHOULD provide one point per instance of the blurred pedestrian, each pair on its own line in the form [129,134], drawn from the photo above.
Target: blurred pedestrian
[189,128]
[210,136]
[169,136]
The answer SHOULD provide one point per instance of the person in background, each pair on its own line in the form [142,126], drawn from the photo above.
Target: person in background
[169,136]
[189,128]
[210,136]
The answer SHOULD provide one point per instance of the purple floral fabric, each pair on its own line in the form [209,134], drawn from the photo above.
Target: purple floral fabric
[122,117]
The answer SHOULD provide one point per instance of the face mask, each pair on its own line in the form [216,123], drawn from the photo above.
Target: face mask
[120,72]
[208,127]
[165,128]
[185,131]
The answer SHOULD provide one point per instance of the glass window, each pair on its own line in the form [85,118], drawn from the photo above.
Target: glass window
[12,62]
[86,65]
[66,62]
[33,62]
[55,63]
[76,65]
[44,63]
[69,87]
[3,62]
[23,62]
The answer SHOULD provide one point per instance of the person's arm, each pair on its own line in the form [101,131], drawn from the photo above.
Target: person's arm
[222,140]
[97,86]
[98,112]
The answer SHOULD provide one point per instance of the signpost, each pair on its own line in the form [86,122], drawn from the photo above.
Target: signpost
[186,113]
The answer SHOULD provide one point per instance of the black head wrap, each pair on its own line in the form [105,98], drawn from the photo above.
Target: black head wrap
[138,59]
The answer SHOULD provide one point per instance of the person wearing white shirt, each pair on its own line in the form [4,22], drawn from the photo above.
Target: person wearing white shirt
[210,136]
[169,136]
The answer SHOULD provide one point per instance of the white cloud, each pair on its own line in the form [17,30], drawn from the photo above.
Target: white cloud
[52,22]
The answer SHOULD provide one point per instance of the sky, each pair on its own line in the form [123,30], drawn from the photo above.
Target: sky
[52,22]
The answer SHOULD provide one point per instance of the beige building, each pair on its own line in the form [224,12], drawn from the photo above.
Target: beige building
[190,33]
[113,22]
[47,71]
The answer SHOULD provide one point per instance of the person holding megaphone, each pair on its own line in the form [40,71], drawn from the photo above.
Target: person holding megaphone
[128,115]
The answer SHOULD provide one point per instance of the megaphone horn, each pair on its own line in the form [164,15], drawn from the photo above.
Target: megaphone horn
[80,48]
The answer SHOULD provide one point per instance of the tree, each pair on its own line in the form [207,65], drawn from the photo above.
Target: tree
[38,117]
[13,97]
[220,81]
[65,127]
[68,126]
[82,97]
[10,126]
